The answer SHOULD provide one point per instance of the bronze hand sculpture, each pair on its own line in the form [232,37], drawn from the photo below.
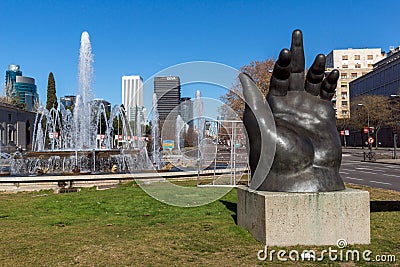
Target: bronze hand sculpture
[307,156]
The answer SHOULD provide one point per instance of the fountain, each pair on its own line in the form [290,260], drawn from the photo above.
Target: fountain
[179,126]
[66,141]
[155,133]
[198,107]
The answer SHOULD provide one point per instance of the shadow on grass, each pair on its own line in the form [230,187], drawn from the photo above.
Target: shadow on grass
[232,207]
[379,206]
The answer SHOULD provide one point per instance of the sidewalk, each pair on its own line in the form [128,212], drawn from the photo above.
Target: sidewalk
[386,161]
[383,155]
[388,151]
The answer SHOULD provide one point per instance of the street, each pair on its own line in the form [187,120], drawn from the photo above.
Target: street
[374,174]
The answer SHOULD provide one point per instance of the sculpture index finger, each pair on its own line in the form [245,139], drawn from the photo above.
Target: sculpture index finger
[297,62]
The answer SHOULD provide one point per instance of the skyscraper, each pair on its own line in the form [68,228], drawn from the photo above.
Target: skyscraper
[68,101]
[186,110]
[107,105]
[21,87]
[168,91]
[132,95]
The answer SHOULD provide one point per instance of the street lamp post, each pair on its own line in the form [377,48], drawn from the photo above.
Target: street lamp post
[395,143]
[394,130]
[369,144]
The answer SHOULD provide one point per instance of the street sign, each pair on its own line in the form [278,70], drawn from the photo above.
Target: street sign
[371,140]
[346,132]
[342,132]
[365,130]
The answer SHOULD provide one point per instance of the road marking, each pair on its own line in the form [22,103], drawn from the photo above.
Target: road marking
[370,172]
[352,178]
[343,172]
[392,175]
[380,182]
[368,169]
[386,166]
[350,162]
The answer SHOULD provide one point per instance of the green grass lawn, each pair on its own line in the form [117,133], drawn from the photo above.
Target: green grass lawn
[125,226]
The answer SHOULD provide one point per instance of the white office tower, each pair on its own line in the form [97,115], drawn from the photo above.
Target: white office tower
[132,95]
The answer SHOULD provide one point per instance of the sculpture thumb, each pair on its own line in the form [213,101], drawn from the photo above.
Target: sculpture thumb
[261,131]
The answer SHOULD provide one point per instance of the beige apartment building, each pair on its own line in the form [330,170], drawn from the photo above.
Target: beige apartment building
[351,63]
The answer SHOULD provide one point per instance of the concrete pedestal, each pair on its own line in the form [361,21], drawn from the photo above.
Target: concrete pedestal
[289,219]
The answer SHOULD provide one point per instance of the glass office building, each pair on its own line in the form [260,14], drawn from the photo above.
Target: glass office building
[23,88]
[68,101]
[384,79]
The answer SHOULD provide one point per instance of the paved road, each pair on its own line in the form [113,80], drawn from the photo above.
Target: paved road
[380,175]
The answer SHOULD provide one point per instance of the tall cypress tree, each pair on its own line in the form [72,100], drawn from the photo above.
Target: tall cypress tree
[51,93]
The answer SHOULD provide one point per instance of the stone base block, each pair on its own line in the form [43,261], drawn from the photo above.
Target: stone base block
[289,219]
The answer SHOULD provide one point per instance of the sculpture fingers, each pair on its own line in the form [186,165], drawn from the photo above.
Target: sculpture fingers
[261,131]
[329,85]
[297,62]
[315,75]
[280,76]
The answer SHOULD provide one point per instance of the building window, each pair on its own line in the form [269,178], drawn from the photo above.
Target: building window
[345,66]
[344,112]
[10,135]
[343,85]
[370,66]
[370,57]
[345,57]
[344,103]
[364,73]
[357,66]
[344,95]
[9,117]
[353,75]
[343,75]
[357,57]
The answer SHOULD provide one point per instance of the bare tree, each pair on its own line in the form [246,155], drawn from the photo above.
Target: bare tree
[343,124]
[376,108]
[260,72]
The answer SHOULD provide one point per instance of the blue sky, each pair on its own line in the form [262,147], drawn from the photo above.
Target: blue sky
[131,37]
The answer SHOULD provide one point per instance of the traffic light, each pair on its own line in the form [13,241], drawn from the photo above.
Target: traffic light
[371,130]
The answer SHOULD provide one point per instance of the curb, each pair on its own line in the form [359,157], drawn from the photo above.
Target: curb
[380,162]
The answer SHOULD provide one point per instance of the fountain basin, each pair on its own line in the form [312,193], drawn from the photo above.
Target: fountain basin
[71,162]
